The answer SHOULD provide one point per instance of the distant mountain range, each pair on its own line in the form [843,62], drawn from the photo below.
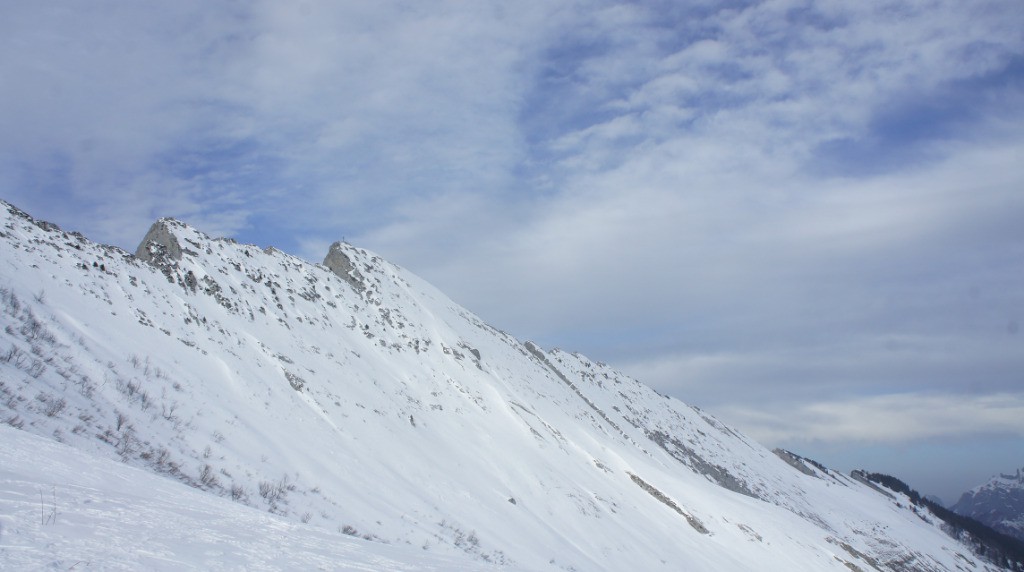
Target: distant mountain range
[348,415]
[998,503]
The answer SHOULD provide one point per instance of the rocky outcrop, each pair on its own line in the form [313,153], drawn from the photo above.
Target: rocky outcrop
[159,245]
[340,263]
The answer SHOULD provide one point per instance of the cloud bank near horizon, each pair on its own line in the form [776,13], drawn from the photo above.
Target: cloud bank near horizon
[782,210]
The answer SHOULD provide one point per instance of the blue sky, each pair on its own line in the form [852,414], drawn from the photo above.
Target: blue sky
[802,216]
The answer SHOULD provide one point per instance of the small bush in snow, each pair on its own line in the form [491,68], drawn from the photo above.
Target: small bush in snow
[274,492]
[53,407]
[128,443]
[36,369]
[207,477]
[238,492]
[168,412]
[14,354]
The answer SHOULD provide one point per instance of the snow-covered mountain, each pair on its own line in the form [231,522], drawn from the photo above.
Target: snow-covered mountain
[998,503]
[352,399]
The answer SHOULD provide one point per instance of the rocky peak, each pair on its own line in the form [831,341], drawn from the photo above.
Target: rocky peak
[340,263]
[1016,478]
[160,245]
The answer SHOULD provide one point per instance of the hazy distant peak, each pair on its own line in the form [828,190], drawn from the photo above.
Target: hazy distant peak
[999,503]
[1017,478]
[1002,481]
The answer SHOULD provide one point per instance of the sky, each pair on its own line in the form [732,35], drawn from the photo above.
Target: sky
[804,217]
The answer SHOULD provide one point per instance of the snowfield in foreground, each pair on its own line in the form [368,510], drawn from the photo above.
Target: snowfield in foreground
[63,509]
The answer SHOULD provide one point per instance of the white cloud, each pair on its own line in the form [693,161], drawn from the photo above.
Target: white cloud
[94,102]
[321,114]
[728,200]
[885,419]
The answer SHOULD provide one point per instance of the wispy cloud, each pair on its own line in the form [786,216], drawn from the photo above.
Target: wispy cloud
[893,418]
[816,200]
[95,102]
[319,114]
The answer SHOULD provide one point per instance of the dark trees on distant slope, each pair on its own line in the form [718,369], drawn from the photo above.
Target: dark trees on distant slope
[990,544]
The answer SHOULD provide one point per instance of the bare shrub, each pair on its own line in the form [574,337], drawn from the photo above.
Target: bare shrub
[129,388]
[36,369]
[271,491]
[144,401]
[14,354]
[167,412]
[53,407]
[10,301]
[128,443]
[85,386]
[33,329]
[207,477]
[238,492]
[266,489]
[161,458]
[274,492]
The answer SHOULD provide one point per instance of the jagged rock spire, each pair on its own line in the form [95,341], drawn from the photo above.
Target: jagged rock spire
[159,244]
[339,263]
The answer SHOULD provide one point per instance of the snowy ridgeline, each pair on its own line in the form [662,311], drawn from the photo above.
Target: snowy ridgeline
[349,414]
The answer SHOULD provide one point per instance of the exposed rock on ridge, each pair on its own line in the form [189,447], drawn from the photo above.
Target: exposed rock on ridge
[159,246]
[340,264]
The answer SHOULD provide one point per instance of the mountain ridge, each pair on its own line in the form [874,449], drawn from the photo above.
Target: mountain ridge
[998,503]
[353,396]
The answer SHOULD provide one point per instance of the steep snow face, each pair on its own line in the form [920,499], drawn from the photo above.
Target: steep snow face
[998,503]
[355,398]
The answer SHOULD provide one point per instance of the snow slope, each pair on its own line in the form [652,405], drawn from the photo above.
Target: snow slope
[62,508]
[354,398]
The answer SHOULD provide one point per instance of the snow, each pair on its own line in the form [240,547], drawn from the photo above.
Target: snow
[304,408]
[65,509]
